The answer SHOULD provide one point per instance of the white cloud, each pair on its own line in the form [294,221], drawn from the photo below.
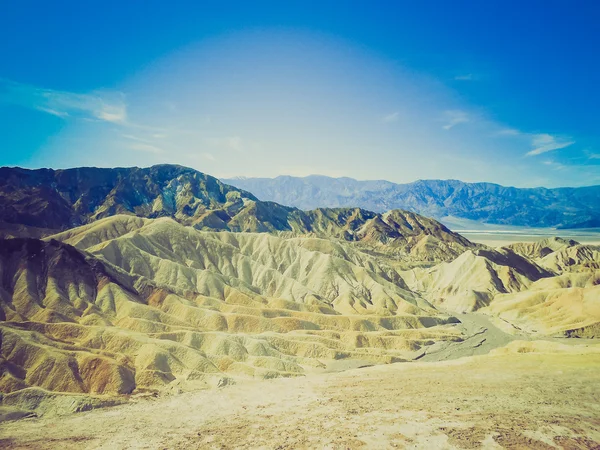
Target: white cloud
[591,155]
[539,142]
[103,106]
[112,114]
[209,156]
[393,117]
[555,165]
[544,142]
[53,111]
[454,117]
[509,132]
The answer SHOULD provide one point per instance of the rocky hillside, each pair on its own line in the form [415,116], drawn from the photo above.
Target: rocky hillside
[472,280]
[128,304]
[485,202]
[61,199]
[549,287]
[567,304]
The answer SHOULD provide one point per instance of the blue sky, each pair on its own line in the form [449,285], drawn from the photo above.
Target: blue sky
[499,91]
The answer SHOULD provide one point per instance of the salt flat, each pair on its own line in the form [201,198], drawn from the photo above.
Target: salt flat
[500,238]
[496,235]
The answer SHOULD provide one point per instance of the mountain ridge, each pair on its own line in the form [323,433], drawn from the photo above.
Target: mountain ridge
[565,207]
[63,199]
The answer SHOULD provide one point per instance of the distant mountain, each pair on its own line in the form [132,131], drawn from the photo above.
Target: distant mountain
[62,199]
[484,202]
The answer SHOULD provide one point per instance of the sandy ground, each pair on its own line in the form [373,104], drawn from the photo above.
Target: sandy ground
[531,400]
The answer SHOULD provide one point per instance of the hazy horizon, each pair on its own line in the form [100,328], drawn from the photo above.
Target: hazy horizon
[243,177]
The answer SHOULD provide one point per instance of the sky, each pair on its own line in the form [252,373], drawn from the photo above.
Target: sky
[498,91]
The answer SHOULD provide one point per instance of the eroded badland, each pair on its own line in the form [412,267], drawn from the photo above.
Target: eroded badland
[207,318]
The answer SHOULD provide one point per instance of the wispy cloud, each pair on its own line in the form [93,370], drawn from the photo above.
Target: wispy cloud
[591,155]
[465,77]
[555,165]
[543,143]
[540,142]
[108,107]
[509,132]
[392,117]
[53,112]
[454,117]
[103,106]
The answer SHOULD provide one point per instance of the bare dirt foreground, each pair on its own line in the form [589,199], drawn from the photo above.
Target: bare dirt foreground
[520,396]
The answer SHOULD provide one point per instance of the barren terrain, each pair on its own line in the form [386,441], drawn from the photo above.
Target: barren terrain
[528,395]
[168,310]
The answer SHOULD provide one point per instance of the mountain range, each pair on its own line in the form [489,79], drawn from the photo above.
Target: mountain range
[60,199]
[483,202]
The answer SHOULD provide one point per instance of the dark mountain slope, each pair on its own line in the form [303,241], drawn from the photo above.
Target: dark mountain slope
[61,199]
